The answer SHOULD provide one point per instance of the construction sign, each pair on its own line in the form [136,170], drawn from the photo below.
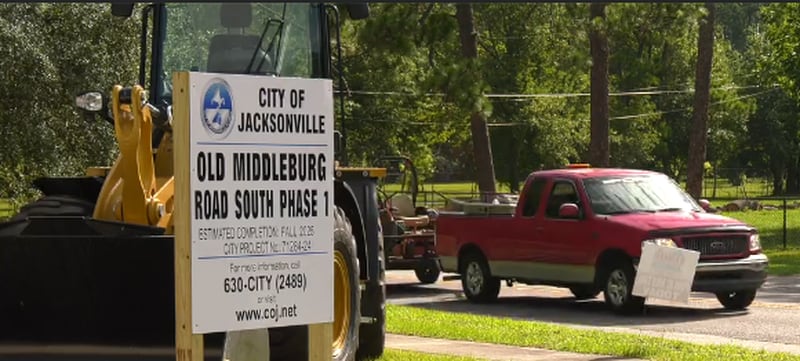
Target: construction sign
[260,201]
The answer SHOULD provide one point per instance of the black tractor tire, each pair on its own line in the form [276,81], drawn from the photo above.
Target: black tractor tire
[476,280]
[618,280]
[372,335]
[344,248]
[736,300]
[291,343]
[427,271]
[55,206]
[584,292]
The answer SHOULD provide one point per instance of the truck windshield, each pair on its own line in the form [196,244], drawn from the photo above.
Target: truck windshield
[242,38]
[621,195]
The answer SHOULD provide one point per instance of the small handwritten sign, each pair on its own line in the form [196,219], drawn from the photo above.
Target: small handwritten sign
[665,273]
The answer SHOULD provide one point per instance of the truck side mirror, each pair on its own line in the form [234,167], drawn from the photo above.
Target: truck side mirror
[569,210]
[705,204]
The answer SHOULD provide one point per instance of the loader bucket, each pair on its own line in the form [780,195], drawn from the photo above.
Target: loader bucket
[79,280]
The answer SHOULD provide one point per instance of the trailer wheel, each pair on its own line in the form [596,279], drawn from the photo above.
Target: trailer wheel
[427,270]
[476,280]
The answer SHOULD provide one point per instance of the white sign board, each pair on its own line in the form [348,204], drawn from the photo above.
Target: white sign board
[262,201]
[665,273]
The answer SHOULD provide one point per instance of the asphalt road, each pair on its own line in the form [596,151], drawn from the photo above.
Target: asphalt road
[770,323]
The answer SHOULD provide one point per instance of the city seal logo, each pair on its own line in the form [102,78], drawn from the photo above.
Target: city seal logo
[217,112]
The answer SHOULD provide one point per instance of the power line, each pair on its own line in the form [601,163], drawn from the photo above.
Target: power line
[622,117]
[523,97]
[633,116]
[642,115]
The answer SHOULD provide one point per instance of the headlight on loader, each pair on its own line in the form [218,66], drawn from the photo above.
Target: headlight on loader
[90,101]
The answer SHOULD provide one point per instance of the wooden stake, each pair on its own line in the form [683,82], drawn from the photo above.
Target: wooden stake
[320,341]
[188,346]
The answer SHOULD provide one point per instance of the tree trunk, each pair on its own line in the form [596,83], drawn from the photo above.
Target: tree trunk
[480,132]
[599,147]
[793,177]
[698,135]
[514,168]
[777,171]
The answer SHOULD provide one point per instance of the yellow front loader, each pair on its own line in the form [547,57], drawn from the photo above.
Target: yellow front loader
[92,260]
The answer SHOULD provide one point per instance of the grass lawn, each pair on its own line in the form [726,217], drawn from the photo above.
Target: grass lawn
[478,328]
[770,226]
[398,355]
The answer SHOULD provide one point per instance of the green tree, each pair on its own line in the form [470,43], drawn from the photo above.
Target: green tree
[57,51]
[651,48]
[546,54]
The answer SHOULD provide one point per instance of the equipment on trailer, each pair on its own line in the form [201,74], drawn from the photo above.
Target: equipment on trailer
[408,229]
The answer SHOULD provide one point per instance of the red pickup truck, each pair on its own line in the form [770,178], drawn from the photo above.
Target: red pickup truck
[584,229]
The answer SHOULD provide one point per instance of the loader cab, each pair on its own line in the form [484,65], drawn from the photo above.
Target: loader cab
[265,38]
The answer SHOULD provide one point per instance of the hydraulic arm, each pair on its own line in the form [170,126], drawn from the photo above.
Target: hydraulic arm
[139,188]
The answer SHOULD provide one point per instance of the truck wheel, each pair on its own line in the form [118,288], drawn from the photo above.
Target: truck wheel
[373,335]
[291,343]
[736,300]
[427,270]
[618,286]
[584,292]
[476,280]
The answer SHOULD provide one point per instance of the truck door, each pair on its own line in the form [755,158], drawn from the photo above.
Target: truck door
[562,242]
[523,247]
[514,255]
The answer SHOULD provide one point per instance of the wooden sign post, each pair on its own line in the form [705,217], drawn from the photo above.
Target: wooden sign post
[253,210]
[188,346]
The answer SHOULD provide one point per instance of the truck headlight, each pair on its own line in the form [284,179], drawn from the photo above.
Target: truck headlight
[665,242]
[755,242]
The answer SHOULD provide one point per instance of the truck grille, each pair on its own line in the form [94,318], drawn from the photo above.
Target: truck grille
[717,246]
